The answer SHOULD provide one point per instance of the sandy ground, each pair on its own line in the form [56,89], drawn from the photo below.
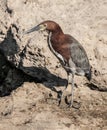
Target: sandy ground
[30,108]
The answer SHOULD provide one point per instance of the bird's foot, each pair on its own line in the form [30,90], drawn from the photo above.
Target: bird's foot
[76,105]
[73,104]
[61,99]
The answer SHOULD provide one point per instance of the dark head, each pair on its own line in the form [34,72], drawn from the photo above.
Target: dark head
[50,26]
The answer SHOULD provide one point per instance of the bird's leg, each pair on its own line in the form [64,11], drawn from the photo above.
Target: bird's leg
[61,94]
[72,91]
[71,103]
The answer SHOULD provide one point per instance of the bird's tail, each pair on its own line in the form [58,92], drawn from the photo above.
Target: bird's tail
[88,75]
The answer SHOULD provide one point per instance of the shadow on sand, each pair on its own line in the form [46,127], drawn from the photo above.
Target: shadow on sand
[16,78]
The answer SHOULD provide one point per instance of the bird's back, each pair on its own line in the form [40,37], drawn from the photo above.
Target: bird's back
[79,58]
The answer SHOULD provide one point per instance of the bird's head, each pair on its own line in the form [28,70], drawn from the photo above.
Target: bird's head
[50,26]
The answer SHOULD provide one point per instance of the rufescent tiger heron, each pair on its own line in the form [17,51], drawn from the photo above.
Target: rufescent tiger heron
[68,50]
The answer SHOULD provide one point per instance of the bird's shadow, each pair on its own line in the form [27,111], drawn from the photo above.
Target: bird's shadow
[18,77]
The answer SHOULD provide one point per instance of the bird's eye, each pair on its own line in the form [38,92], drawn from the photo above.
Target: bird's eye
[45,25]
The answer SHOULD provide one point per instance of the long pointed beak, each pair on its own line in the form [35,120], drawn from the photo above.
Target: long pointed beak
[36,28]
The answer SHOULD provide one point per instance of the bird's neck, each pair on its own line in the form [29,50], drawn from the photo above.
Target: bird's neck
[56,34]
[57,31]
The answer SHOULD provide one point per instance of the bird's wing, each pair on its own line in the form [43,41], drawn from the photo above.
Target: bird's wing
[78,55]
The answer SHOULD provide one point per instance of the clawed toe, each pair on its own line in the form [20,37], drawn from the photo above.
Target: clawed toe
[65,99]
[73,104]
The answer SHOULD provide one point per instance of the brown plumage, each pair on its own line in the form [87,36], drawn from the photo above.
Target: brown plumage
[67,49]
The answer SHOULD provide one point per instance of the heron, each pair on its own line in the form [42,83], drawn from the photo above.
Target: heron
[68,50]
